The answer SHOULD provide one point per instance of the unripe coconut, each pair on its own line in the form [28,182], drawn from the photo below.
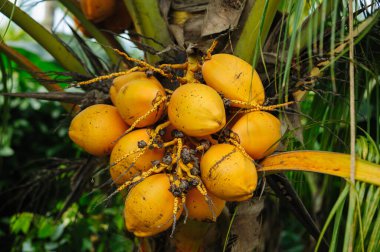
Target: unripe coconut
[123,170]
[96,128]
[227,173]
[97,10]
[122,80]
[197,110]
[259,133]
[137,98]
[234,78]
[199,209]
[149,206]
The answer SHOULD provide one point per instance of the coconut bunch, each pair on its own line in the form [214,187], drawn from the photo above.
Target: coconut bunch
[185,151]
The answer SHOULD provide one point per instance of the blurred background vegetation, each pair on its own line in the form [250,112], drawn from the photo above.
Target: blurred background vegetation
[38,161]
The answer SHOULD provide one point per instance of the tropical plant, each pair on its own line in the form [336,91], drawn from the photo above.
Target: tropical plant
[321,56]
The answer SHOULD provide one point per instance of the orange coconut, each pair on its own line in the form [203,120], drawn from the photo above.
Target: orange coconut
[191,236]
[227,173]
[197,110]
[96,128]
[97,10]
[122,167]
[137,98]
[120,81]
[259,133]
[149,206]
[201,210]
[234,78]
[120,19]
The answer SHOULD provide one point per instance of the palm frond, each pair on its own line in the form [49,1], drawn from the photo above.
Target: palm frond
[60,52]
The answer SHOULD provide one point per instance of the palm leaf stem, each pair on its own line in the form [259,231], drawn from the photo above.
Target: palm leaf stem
[148,22]
[54,46]
[26,64]
[256,27]
[332,163]
[102,39]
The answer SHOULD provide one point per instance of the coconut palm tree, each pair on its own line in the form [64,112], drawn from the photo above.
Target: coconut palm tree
[321,55]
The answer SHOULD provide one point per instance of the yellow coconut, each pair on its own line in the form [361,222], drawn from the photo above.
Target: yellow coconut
[137,98]
[201,210]
[227,173]
[122,166]
[149,206]
[259,133]
[197,110]
[234,78]
[122,80]
[96,128]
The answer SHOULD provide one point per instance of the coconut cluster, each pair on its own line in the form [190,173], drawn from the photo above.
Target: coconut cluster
[185,151]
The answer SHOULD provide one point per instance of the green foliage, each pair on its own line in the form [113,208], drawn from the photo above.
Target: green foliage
[20,223]
[325,119]
[363,213]
[37,132]
[81,228]
[54,46]
[29,115]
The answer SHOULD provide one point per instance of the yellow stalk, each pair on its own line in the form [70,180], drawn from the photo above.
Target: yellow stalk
[331,163]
